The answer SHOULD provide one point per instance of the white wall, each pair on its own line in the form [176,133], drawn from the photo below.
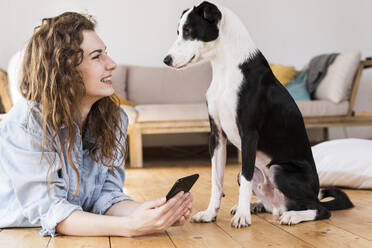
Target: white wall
[140,32]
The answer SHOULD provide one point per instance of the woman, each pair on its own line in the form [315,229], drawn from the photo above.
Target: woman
[62,147]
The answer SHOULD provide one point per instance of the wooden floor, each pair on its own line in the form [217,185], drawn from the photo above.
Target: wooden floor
[347,228]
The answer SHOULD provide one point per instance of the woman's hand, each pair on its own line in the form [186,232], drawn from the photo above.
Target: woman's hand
[185,217]
[159,215]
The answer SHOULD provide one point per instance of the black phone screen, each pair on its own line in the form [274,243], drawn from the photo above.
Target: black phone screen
[183,184]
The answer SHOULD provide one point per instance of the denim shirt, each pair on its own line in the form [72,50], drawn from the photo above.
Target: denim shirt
[24,199]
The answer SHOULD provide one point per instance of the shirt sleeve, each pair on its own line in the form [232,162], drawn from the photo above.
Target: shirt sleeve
[28,173]
[112,191]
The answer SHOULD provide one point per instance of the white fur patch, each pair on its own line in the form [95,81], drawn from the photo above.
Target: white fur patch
[218,172]
[242,216]
[295,217]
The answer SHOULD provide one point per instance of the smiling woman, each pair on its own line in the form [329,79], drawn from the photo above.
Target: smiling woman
[62,147]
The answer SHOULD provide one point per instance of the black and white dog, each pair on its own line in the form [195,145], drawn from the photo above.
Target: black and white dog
[249,107]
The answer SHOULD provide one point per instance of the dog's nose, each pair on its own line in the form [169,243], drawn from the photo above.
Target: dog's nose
[168,60]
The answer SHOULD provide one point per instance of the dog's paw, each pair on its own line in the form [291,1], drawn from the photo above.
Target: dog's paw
[233,209]
[290,218]
[257,207]
[204,217]
[241,219]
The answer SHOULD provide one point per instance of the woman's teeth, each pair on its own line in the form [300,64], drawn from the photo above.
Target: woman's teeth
[104,80]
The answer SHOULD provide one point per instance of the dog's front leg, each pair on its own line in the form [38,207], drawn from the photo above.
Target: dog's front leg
[217,148]
[242,216]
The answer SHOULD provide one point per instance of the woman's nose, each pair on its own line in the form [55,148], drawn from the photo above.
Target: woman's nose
[110,64]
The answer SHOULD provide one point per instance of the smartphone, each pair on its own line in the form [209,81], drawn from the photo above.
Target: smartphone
[183,184]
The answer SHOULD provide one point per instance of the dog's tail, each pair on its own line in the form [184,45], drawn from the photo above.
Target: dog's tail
[340,201]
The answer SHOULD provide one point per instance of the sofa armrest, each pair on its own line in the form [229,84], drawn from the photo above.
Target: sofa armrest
[364,113]
[364,64]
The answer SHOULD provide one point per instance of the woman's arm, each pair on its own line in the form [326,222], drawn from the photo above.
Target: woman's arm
[127,207]
[80,223]
[148,217]
[123,208]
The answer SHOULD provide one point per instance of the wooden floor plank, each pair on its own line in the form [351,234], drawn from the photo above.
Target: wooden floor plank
[201,235]
[357,220]
[22,237]
[322,234]
[160,240]
[79,242]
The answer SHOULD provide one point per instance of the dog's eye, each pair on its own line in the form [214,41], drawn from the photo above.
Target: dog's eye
[186,30]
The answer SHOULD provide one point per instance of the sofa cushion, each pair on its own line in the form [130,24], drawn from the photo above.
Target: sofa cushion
[119,76]
[188,112]
[336,85]
[171,112]
[162,85]
[322,108]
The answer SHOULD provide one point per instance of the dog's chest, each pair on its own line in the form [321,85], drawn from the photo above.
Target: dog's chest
[222,106]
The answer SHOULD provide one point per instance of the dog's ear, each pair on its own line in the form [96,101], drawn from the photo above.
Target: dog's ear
[183,12]
[209,12]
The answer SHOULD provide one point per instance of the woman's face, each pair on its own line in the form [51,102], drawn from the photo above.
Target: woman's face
[96,67]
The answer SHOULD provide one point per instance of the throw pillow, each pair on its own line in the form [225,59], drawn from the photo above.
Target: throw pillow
[297,87]
[345,163]
[283,73]
[336,85]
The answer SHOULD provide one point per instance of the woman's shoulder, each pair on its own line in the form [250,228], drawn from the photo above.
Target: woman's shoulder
[124,121]
[24,115]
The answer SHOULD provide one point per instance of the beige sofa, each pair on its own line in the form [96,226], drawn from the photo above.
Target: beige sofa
[170,101]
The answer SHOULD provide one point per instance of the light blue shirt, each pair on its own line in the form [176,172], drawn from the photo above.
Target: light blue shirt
[24,199]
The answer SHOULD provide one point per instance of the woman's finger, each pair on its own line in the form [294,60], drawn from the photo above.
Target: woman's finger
[181,221]
[179,212]
[188,214]
[169,207]
[154,204]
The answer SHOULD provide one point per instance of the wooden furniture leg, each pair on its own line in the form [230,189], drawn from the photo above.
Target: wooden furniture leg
[135,147]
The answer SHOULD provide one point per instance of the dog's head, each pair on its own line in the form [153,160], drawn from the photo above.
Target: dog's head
[197,32]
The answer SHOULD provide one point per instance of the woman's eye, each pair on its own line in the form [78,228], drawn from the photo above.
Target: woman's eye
[96,57]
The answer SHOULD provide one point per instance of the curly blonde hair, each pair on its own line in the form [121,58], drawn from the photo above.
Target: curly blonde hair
[50,77]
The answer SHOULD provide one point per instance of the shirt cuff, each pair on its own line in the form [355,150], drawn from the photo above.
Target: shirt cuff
[107,200]
[56,213]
